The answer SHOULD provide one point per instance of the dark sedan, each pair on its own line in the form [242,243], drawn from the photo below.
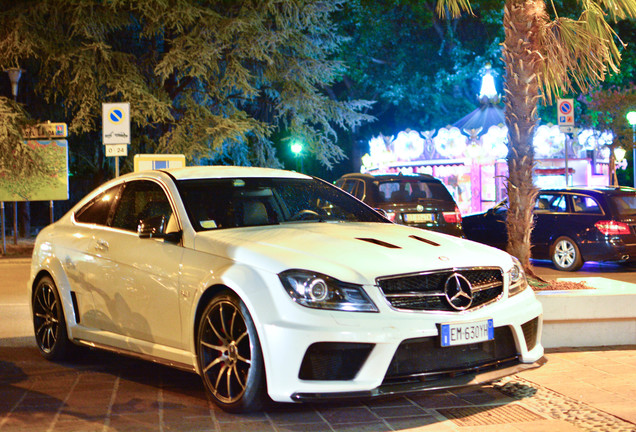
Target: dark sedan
[572,225]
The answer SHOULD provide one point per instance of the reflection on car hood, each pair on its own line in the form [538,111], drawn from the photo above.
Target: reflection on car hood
[354,252]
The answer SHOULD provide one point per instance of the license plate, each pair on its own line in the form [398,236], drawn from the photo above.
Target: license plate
[467,333]
[418,217]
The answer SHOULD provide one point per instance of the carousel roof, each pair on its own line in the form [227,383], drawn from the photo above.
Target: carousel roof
[483,117]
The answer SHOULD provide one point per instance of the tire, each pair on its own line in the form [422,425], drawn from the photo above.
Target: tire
[565,255]
[229,355]
[49,324]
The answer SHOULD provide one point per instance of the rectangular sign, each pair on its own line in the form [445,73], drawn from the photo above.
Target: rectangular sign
[565,112]
[112,150]
[116,123]
[145,162]
[52,186]
[46,131]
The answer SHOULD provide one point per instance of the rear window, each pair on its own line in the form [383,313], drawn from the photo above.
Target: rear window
[624,204]
[412,191]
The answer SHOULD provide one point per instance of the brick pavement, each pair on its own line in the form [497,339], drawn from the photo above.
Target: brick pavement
[576,391]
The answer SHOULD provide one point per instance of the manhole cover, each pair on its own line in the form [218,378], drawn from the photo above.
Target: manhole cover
[489,415]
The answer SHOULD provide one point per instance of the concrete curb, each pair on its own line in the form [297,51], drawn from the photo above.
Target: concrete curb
[602,316]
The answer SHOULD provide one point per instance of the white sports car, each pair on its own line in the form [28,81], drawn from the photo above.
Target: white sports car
[274,284]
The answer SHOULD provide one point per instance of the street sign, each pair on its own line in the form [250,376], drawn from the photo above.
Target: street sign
[565,112]
[566,129]
[46,130]
[112,150]
[158,161]
[116,123]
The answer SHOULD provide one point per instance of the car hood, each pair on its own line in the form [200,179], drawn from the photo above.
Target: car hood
[353,252]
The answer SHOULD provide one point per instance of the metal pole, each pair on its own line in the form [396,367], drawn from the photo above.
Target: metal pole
[4,240]
[634,151]
[51,211]
[116,166]
[15,222]
[567,138]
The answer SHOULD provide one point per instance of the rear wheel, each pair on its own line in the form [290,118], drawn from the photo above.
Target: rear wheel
[229,355]
[565,255]
[48,321]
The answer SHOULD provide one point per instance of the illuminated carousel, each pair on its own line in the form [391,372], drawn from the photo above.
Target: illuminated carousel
[469,155]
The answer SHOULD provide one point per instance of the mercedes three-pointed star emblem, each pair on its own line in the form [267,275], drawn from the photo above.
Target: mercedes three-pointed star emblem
[458,292]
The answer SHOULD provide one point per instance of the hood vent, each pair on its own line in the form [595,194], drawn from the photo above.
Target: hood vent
[423,240]
[379,243]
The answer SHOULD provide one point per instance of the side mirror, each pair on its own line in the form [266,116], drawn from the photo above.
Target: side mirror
[382,212]
[154,227]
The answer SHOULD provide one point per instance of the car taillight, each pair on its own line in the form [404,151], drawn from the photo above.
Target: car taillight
[610,227]
[452,217]
[391,216]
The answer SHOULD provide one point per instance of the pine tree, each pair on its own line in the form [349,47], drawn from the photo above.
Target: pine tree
[212,80]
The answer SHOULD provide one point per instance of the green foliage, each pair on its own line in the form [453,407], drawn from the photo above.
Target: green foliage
[422,71]
[212,80]
[19,163]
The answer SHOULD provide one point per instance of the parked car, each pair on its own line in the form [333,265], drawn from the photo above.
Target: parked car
[418,200]
[572,225]
[274,284]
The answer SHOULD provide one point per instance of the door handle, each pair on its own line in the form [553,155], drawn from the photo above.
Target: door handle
[101,245]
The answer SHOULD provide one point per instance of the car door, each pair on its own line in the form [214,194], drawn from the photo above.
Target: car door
[549,211]
[139,294]
[81,267]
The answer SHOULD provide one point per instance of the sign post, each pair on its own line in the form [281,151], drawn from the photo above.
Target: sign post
[116,130]
[565,116]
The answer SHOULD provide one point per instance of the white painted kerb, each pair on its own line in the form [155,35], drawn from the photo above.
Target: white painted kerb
[602,316]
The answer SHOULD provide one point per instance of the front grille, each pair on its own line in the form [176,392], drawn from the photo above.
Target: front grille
[530,332]
[426,358]
[334,361]
[425,291]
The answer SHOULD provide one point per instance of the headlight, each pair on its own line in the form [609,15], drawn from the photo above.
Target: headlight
[516,278]
[318,291]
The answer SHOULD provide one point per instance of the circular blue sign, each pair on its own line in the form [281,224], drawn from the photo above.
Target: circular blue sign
[565,107]
[116,115]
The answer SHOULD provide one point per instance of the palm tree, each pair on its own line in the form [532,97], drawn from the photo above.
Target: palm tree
[544,58]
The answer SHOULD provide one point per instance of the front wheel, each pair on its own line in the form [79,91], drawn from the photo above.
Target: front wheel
[565,255]
[229,355]
[48,321]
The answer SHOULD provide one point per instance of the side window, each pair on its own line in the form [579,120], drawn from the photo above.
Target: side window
[550,202]
[358,192]
[347,186]
[543,202]
[97,210]
[585,204]
[140,200]
[558,204]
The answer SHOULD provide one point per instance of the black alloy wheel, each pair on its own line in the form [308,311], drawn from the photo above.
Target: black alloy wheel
[48,321]
[229,355]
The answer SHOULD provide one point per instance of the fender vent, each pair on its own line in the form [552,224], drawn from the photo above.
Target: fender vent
[75,307]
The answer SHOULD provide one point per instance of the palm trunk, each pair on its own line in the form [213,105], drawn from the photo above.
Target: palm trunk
[522,21]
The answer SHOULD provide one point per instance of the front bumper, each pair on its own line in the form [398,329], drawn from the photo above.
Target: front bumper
[388,366]
[480,375]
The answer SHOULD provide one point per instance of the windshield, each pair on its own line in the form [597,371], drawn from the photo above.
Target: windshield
[231,203]
[412,190]
[624,204]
